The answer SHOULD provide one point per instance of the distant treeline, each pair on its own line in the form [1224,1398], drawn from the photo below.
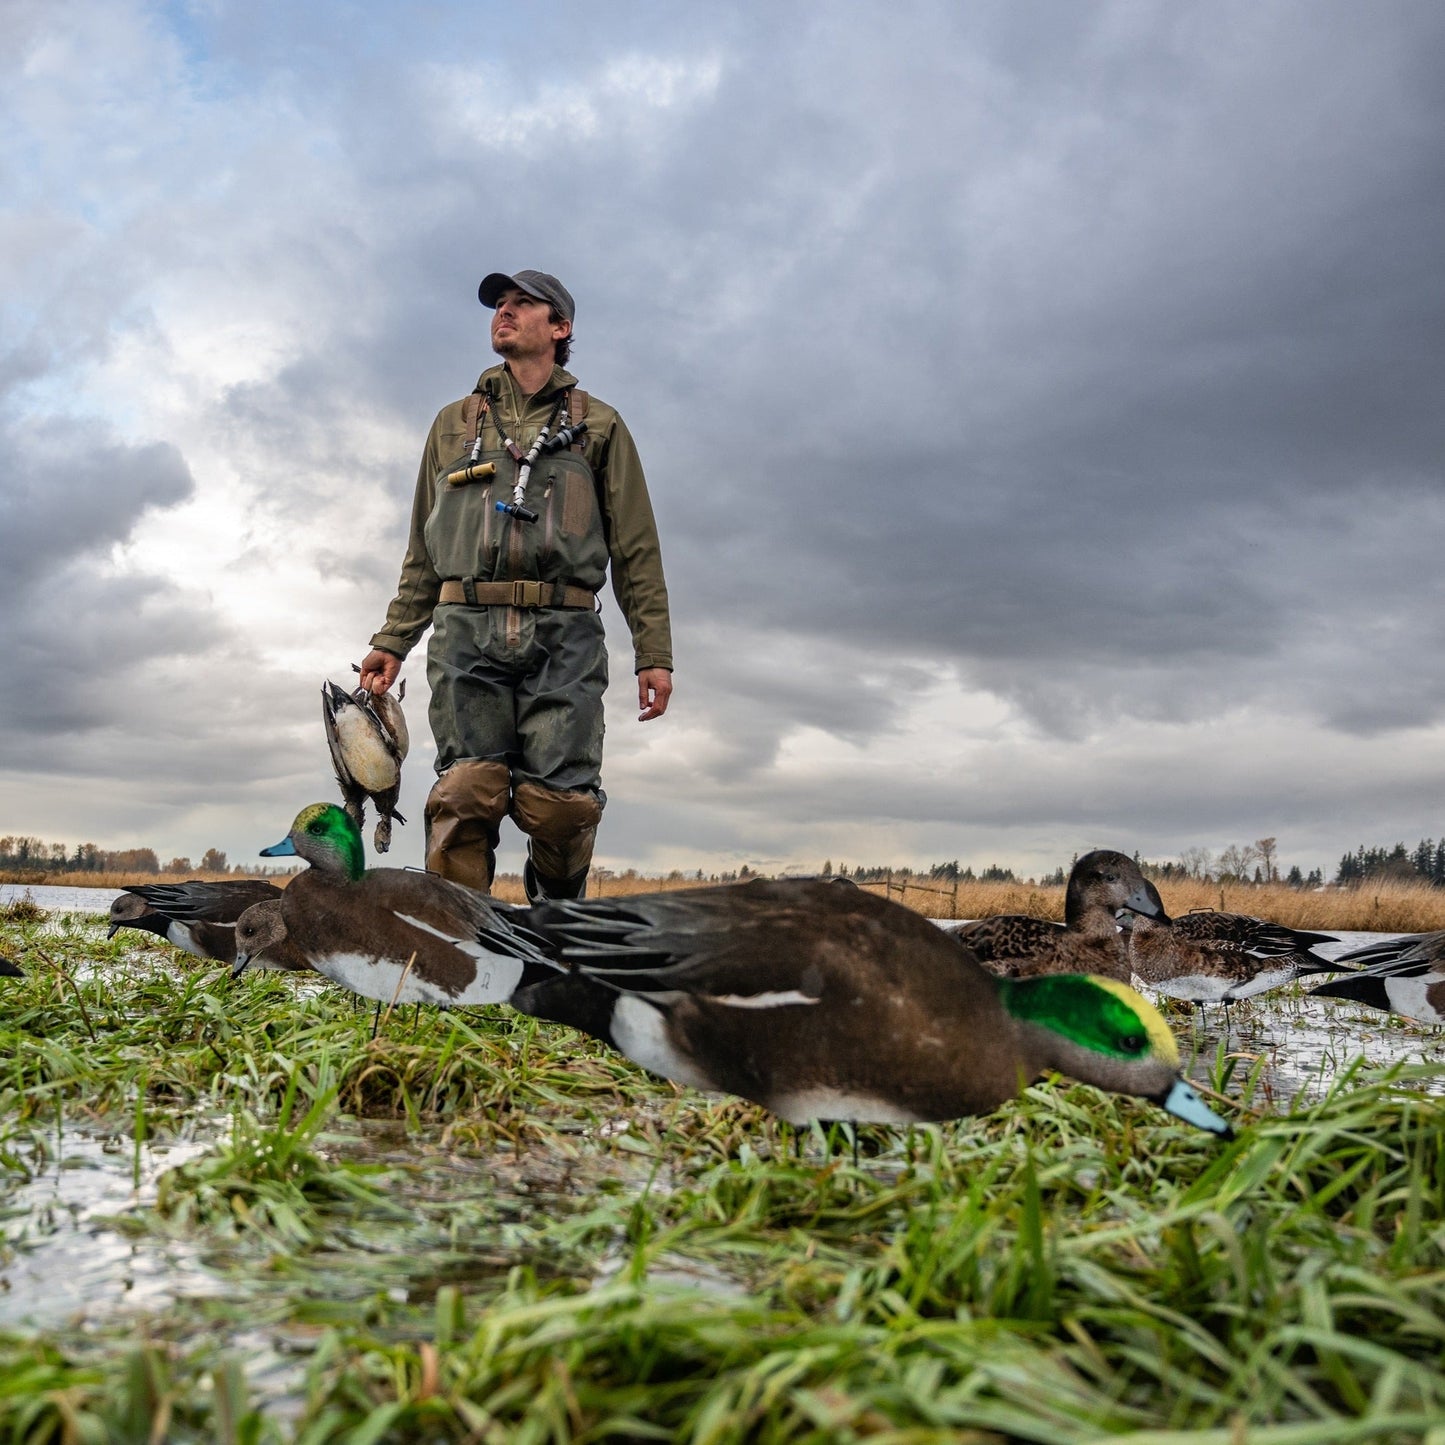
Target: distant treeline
[1425,862]
[35,856]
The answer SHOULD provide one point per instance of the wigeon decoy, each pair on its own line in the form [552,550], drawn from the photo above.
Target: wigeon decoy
[199,917]
[827,1003]
[1212,957]
[1404,975]
[1101,884]
[368,738]
[395,934]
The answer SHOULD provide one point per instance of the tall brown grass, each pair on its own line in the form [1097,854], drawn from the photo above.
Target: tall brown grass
[36,878]
[1384,907]
[1387,906]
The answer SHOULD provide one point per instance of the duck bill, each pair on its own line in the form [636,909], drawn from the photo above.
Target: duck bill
[239,967]
[1184,1103]
[284,849]
[1146,900]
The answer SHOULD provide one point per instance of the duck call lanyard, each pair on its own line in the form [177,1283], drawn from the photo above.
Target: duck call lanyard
[545,442]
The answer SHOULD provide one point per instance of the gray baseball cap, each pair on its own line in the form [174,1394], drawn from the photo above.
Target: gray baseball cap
[534,283]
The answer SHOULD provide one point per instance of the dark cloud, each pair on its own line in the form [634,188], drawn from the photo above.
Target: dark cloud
[1083,361]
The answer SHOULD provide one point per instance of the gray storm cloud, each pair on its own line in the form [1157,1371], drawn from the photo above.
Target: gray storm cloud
[1076,368]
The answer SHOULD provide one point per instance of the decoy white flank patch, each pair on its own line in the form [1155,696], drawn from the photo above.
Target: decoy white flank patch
[802,1106]
[640,1031]
[377,978]
[181,936]
[1266,979]
[761,1000]
[1411,995]
[1193,988]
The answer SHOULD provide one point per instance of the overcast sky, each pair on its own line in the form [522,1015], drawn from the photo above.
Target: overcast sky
[1043,406]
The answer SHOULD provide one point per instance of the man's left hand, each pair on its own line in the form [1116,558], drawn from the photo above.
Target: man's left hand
[654,687]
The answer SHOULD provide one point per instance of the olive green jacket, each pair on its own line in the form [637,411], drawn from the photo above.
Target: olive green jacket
[636,556]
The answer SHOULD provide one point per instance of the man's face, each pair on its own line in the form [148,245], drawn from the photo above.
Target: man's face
[521,326]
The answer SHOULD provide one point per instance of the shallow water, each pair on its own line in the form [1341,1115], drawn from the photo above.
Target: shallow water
[63,1254]
[66,1259]
[60,900]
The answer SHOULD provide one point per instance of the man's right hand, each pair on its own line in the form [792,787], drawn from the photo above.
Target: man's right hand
[379,669]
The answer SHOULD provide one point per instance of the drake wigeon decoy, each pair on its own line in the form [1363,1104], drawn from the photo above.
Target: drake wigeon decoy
[1101,884]
[199,917]
[828,1003]
[10,970]
[395,934]
[1211,957]
[368,738]
[1404,975]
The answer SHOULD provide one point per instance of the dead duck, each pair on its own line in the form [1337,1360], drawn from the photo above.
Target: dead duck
[394,934]
[826,1003]
[1101,884]
[1404,975]
[368,738]
[198,917]
[1211,957]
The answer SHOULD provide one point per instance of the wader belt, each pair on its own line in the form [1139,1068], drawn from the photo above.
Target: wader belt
[470,593]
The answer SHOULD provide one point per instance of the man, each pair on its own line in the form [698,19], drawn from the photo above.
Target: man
[527,489]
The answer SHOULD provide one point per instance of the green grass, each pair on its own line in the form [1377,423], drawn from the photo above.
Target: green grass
[477,1227]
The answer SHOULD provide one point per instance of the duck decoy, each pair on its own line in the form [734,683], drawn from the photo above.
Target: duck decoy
[395,934]
[368,738]
[1101,884]
[1404,975]
[199,917]
[10,970]
[832,1004]
[1211,957]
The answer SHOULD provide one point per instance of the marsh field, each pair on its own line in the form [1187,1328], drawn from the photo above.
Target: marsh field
[229,1213]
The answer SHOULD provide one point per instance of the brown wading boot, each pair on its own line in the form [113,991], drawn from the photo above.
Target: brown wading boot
[464,812]
[539,887]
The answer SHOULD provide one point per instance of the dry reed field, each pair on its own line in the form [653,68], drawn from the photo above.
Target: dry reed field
[1376,906]
[1386,907]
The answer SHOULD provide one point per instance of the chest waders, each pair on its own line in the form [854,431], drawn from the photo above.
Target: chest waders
[516,662]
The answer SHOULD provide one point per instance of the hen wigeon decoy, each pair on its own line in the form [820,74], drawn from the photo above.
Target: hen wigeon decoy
[394,934]
[368,738]
[1404,975]
[1211,957]
[827,1003]
[1101,884]
[10,970]
[199,917]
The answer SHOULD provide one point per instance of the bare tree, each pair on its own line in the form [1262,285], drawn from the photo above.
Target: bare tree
[1197,862]
[1265,847]
[1235,861]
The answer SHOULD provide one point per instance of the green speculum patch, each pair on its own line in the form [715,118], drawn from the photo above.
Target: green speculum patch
[1080,1010]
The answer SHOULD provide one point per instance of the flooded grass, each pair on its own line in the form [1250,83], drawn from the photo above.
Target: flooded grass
[227,1213]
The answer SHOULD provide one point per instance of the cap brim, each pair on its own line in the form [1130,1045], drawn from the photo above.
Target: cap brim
[490,291]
